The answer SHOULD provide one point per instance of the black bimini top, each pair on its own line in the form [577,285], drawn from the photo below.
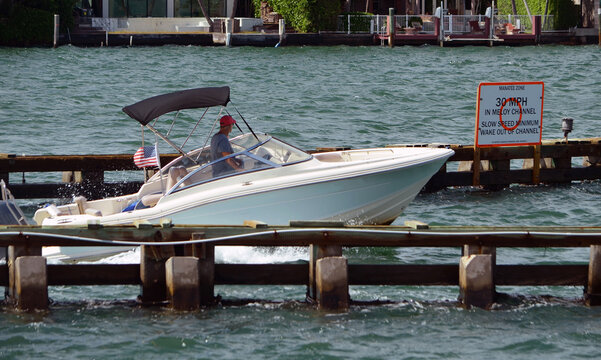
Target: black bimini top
[146,110]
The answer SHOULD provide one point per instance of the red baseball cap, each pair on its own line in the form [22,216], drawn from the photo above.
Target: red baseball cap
[227,120]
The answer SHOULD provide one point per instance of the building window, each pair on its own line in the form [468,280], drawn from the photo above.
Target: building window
[137,8]
[190,8]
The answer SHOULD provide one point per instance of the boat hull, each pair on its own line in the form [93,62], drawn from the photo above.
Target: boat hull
[374,198]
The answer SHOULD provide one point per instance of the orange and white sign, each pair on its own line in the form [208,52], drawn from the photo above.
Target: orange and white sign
[509,113]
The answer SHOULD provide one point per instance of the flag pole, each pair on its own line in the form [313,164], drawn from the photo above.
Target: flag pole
[156,150]
[146,176]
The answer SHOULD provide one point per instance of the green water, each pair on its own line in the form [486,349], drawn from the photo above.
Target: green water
[68,101]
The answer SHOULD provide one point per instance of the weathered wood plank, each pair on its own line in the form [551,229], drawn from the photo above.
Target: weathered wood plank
[261,274]
[349,236]
[94,274]
[362,274]
[67,190]
[297,274]
[549,275]
[50,163]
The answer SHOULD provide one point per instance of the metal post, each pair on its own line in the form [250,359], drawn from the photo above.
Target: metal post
[441,32]
[391,27]
[599,22]
[228,32]
[349,24]
[282,32]
[56,29]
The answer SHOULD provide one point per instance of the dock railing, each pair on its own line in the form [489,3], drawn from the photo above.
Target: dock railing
[377,24]
[424,24]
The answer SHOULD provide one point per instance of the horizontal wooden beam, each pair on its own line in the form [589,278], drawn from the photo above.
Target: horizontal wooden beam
[549,149]
[362,274]
[50,163]
[549,275]
[94,274]
[36,236]
[298,274]
[261,274]
[68,190]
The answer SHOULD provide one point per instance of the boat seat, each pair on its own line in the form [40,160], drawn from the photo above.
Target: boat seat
[84,208]
[151,200]
[175,174]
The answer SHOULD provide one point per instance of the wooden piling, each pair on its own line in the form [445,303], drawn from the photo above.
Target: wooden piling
[536,165]
[332,283]
[206,268]
[476,281]
[56,30]
[31,283]
[152,270]
[592,295]
[13,253]
[152,275]
[182,279]
[476,167]
[317,252]
[205,252]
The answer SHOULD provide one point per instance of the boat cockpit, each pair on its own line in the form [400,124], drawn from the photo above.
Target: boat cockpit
[253,152]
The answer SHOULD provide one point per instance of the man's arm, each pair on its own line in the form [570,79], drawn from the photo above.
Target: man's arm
[231,161]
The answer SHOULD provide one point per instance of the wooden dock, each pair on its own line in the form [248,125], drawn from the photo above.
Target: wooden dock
[500,167]
[178,269]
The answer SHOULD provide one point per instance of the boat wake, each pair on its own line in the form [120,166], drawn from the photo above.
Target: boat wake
[225,254]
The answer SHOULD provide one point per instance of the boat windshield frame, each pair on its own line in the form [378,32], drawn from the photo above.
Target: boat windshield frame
[246,152]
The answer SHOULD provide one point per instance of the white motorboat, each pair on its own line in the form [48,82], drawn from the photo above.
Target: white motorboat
[277,182]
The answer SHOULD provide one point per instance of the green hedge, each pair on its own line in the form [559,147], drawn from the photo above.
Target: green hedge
[564,12]
[31,22]
[305,15]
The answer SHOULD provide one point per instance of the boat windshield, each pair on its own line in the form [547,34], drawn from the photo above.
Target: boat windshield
[252,153]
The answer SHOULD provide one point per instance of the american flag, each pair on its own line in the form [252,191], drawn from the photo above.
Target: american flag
[146,156]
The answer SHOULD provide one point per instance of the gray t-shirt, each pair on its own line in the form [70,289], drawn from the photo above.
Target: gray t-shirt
[220,144]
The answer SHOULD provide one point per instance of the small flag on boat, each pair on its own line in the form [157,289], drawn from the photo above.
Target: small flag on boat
[146,156]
